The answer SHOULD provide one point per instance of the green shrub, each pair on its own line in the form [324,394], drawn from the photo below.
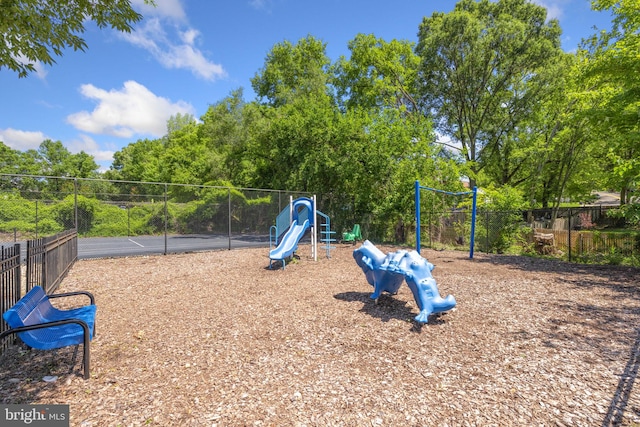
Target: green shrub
[14,207]
[497,229]
[630,212]
[49,227]
[65,213]
[109,220]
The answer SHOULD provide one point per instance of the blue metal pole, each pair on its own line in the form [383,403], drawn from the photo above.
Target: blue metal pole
[417,197]
[473,221]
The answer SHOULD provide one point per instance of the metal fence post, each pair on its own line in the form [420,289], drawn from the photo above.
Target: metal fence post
[487,239]
[166,218]
[569,232]
[229,197]
[75,203]
[417,215]
[473,221]
[430,227]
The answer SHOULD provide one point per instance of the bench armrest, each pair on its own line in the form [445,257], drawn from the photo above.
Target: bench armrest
[68,294]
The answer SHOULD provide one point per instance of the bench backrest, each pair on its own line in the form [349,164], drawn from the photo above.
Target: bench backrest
[35,309]
[32,308]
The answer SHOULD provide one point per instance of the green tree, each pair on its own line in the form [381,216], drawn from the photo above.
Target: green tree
[298,113]
[291,71]
[38,30]
[9,159]
[361,155]
[185,160]
[571,165]
[26,163]
[225,130]
[550,156]
[614,65]
[53,160]
[378,74]
[481,72]
[56,160]
[179,121]
[136,165]
[83,165]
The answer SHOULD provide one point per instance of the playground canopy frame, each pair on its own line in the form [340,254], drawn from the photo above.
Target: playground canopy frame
[473,192]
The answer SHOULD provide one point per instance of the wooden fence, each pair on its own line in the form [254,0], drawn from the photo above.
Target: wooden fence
[578,243]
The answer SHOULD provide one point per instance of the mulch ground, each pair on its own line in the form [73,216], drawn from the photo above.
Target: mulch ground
[218,339]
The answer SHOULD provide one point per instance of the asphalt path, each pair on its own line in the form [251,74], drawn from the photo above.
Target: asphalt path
[112,247]
[104,247]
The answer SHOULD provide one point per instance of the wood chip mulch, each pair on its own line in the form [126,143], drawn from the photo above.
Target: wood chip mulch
[218,339]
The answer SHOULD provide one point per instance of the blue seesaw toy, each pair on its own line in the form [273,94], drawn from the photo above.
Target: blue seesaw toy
[386,273]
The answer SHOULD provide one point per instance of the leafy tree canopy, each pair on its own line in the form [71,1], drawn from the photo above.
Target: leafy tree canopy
[38,30]
[480,71]
[292,70]
[614,67]
[378,74]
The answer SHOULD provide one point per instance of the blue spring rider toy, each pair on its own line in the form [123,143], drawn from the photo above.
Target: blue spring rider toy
[386,273]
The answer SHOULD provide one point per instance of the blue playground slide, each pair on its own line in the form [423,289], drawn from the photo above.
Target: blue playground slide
[289,242]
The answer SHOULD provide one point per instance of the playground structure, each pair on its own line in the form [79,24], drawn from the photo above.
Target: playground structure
[352,236]
[299,217]
[473,192]
[386,273]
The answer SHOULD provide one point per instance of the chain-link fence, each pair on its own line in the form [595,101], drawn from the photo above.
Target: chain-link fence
[584,234]
[226,217]
[167,218]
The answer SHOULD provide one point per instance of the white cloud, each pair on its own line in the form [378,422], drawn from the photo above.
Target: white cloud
[260,4]
[132,110]
[146,37]
[22,140]
[186,56]
[189,36]
[165,8]
[175,50]
[555,8]
[40,70]
[88,145]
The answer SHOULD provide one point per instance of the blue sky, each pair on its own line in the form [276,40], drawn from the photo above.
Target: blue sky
[188,54]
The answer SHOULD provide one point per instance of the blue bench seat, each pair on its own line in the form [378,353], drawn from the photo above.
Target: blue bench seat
[42,326]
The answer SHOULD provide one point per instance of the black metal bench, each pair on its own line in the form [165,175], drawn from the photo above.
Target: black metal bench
[42,326]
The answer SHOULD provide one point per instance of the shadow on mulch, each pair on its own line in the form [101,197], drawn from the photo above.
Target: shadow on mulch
[387,308]
[533,264]
[620,400]
[23,370]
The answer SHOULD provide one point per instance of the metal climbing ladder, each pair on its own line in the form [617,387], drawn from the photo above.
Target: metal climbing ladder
[326,233]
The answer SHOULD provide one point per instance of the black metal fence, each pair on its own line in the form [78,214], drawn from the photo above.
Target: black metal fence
[49,259]
[10,284]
